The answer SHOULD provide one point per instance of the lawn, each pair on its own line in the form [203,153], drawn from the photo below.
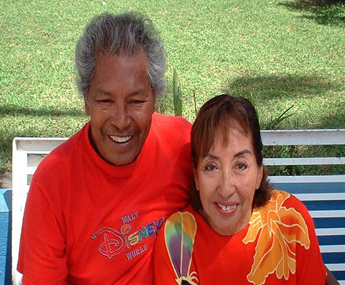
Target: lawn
[277,53]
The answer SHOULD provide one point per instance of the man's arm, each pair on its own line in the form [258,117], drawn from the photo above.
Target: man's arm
[42,257]
[330,279]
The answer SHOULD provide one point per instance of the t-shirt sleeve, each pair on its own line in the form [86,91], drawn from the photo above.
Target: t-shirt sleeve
[163,271]
[42,258]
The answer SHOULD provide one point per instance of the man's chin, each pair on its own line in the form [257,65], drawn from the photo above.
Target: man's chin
[121,159]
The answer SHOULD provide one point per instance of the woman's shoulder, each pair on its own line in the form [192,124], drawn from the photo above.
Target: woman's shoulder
[285,198]
[187,217]
[181,223]
[286,205]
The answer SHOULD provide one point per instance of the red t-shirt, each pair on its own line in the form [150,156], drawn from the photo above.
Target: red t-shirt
[278,246]
[89,222]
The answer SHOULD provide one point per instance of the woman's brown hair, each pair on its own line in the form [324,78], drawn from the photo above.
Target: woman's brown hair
[219,115]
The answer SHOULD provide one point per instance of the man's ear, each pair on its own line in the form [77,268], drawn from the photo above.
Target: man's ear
[87,106]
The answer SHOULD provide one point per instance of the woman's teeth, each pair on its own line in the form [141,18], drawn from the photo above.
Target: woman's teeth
[226,208]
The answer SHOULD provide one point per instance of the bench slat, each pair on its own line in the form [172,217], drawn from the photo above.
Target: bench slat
[37,145]
[304,161]
[307,179]
[336,266]
[328,214]
[332,248]
[320,196]
[303,137]
[330,231]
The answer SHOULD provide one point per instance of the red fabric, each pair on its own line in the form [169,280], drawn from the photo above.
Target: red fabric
[88,222]
[224,260]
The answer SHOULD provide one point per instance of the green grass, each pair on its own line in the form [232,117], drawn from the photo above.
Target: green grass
[278,53]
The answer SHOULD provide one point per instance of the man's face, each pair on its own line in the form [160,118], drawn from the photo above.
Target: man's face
[120,102]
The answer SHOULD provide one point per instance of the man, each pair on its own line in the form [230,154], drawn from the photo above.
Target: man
[97,202]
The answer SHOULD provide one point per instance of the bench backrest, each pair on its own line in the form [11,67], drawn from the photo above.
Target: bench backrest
[324,195]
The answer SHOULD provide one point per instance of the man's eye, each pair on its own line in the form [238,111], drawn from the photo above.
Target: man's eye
[104,101]
[134,101]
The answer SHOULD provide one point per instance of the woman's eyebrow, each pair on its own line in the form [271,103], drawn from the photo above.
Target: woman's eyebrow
[212,156]
[242,152]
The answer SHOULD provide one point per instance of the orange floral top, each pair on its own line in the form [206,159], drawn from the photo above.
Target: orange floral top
[278,246]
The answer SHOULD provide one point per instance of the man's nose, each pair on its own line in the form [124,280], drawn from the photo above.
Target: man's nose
[120,116]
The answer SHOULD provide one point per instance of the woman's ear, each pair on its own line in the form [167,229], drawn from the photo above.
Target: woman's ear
[260,176]
[196,179]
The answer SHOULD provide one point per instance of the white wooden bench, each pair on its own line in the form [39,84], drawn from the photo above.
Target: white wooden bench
[324,195]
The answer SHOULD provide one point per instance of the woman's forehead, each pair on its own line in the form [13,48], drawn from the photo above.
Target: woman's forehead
[232,130]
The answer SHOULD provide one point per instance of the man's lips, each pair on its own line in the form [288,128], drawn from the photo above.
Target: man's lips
[120,139]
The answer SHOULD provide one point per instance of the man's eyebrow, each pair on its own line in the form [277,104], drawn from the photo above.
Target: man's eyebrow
[106,92]
[102,91]
[136,92]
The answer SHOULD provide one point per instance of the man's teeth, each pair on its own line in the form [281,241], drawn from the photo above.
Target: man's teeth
[227,208]
[120,139]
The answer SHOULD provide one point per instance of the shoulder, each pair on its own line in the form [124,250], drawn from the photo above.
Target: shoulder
[289,200]
[287,207]
[285,199]
[181,223]
[171,134]
[282,216]
[185,217]
[170,123]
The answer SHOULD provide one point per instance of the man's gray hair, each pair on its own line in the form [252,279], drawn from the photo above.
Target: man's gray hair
[128,32]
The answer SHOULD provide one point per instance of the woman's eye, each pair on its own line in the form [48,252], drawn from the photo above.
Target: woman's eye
[241,166]
[210,167]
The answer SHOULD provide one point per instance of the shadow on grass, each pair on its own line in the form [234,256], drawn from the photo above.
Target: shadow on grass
[15,111]
[338,116]
[324,12]
[280,87]
[272,88]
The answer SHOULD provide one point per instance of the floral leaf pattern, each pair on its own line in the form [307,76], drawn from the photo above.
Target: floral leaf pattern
[277,229]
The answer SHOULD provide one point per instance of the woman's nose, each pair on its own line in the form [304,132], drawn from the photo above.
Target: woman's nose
[226,187]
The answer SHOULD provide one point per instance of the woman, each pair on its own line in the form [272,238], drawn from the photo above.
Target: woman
[238,230]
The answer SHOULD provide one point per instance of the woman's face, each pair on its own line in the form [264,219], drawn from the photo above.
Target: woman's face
[227,179]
